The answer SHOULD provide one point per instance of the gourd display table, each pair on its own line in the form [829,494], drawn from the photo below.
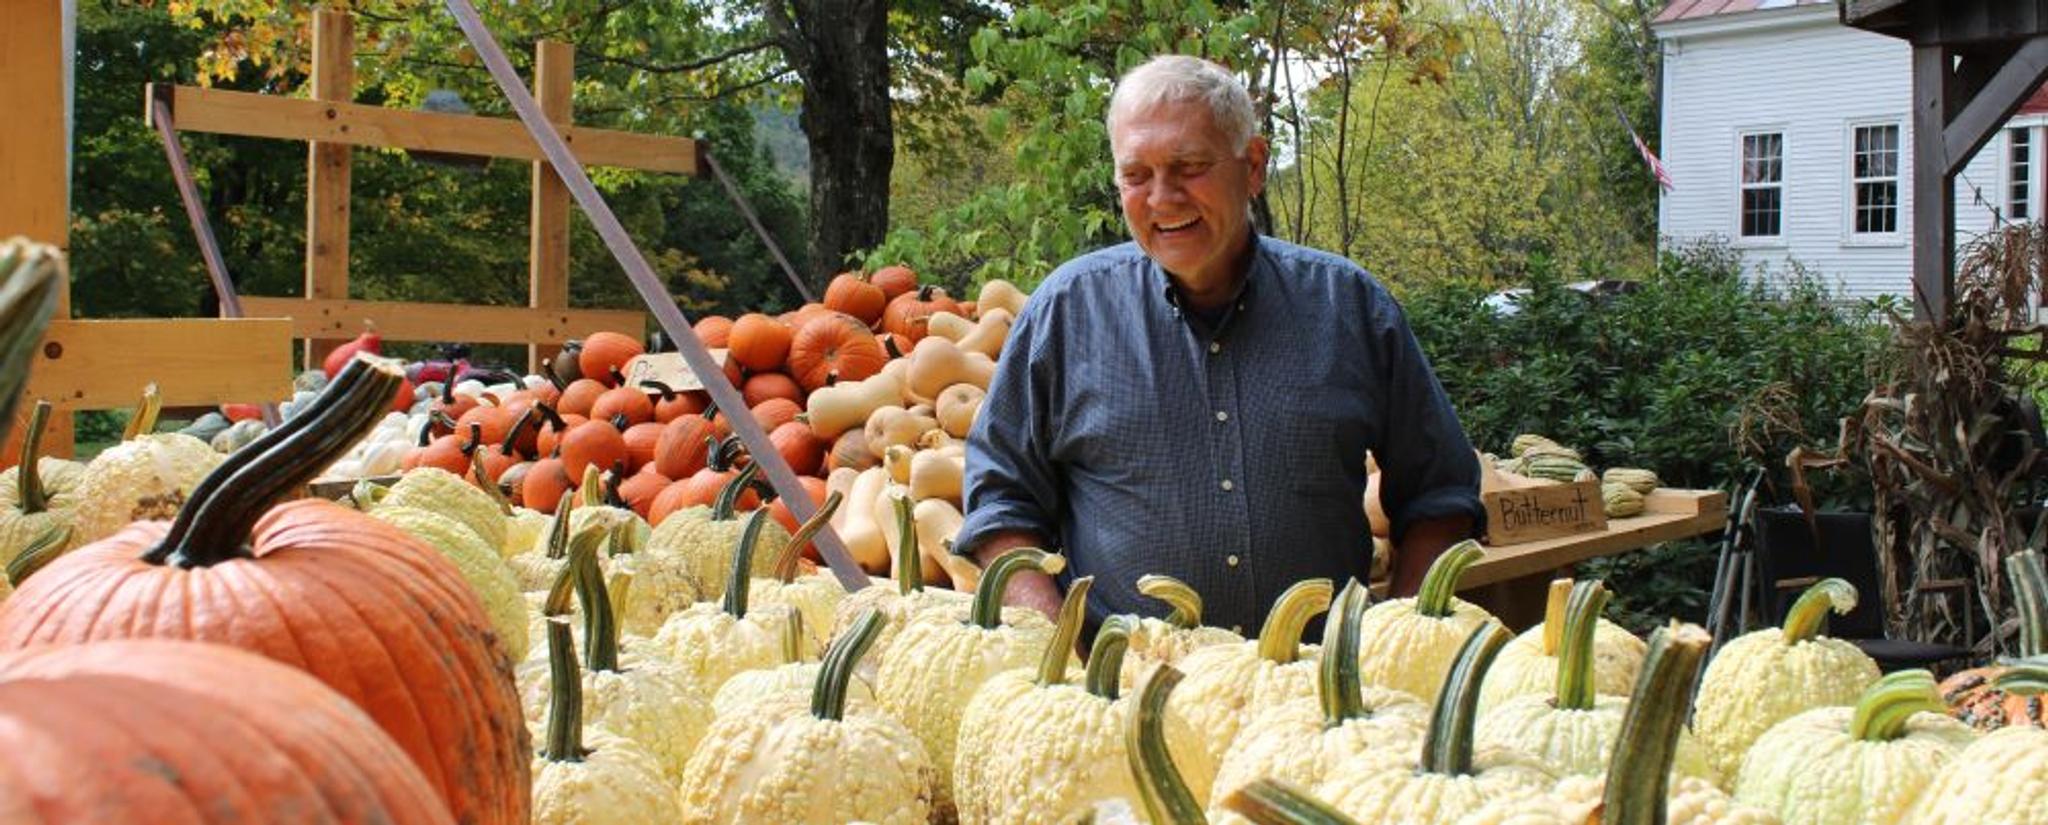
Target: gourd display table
[1512,581]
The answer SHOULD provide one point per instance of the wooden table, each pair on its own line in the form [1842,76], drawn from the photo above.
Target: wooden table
[1513,580]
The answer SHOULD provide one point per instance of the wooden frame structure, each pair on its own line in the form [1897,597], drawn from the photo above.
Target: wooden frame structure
[1974,63]
[332,124]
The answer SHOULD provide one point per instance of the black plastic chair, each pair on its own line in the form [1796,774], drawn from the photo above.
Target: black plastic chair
[1790,560]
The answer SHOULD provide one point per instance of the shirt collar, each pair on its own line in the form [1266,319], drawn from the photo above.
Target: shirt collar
[1248,264]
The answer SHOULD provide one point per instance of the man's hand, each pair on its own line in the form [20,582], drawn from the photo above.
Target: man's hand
[1420,545]
[1029,588]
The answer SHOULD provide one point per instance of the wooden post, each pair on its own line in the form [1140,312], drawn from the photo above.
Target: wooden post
[554,72]
[35,157]
[1934,194]
[327,172]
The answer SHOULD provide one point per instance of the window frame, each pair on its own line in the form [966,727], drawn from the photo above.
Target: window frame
[2026,167]
[1742,187]
[1897,178]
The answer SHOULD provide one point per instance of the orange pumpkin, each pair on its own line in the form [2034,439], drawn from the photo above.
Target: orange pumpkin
[580,396]
[138,728]
[762,387]
[623,400]
[832,348]
[640,488]
[779,509]
[356,603]
[796,319]
[896,346]
[713,330]
[553,425]
[910,314]
[802,449]
[895,280]
[605,354]
[670,404]
[641,439]
[855,295]
[591,443]
[775,412]
[542,485]
[494,422]
[758,342]
[684,442]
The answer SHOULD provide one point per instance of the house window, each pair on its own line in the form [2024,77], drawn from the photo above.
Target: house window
[2019,173]
[1763,184]
[1875,169]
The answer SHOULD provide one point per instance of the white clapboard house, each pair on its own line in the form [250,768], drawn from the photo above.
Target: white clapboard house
[1788,135]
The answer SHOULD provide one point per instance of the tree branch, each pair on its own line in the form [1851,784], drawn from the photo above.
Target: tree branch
[688,66]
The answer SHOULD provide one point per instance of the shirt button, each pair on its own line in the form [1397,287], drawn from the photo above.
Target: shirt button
[1222,416]
[1215,347]
[1230,560]
[1227,486]
[1237,629]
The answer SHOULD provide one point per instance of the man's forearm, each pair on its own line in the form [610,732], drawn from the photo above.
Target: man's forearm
[1420,545]
[1029,588]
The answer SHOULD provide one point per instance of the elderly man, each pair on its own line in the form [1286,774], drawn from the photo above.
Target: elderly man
[1200,403]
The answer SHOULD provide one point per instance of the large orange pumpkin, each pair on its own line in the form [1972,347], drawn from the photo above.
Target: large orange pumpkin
[910,314]
[378,616]
[895,280]
[758,342]
[681,449]
[713,330]
[623,400]
[762,387]
[832,348]
[605,354]
[151,730]
[802,449]
[854,294]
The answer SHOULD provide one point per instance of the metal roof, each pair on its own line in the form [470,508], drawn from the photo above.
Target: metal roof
[1696,9]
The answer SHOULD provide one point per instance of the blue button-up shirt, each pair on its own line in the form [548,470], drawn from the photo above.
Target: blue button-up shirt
[1139,439]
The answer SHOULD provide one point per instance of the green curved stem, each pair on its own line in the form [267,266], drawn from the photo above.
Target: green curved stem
[2024,677]
[558,528]
[909,569]
[1440,584]
[1337,683]
[1575,657]
[1809,615]
[567,585]
[741,574]
[1447,749]
[1186,604]
[45,548]
[1106,657]
[723,507]
[1167,798]
[343,382]
[28,477]
[143,422]
[1639,772]
[590,489]
[565,697]
[1553,615]
[366,494]
[793,637]
[1052,664]
[218,526]
[629,537]
[2030,595]
[490,488]
[600,621]
[793,552]
[828,695]
[1273,802]
[1280,636]
[987,609]
[1884,707]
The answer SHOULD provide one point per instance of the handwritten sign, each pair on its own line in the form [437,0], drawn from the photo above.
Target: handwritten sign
[667,368]
[1525,514]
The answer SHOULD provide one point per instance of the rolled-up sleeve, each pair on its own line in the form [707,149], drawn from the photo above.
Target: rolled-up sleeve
[1427,466]
[1011,483]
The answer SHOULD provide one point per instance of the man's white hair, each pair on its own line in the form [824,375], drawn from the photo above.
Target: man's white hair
[1175,78]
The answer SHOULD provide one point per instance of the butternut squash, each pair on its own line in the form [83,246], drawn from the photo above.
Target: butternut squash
[988,336]
[835,409]
[938,522]
[935,439]
[862,533]
[957,406]
[894,426]
[928,568]
[937,474]
[937,363]
[949,326]
[897,460]
[997,293]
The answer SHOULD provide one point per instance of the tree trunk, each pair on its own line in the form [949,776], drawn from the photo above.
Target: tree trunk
[840,50]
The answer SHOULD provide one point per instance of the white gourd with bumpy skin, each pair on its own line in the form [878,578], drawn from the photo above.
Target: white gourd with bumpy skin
[480,566]
[1166,641]
[35,528]
[1528,665]
[1408,644]
[432,488]
[1572,728]
[814,764]
[817,595]
[934,667]
[147,476]
[1770,675]
[1229,684]
[711,641]
[790,681]
[688,555]
[594,778]
[1640,786]
[1302,741]
[1864,764]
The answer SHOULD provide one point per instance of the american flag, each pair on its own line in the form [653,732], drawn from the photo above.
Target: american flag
[1649,157]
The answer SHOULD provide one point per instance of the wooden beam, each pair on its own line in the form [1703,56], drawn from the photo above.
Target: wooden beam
[273,116]
[1934,239]
[397,321]
[547,276]
[1994,101]
[103,365]
[327,171]
[35,157]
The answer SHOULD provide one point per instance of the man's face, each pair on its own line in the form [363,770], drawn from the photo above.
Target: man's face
[1185,189]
